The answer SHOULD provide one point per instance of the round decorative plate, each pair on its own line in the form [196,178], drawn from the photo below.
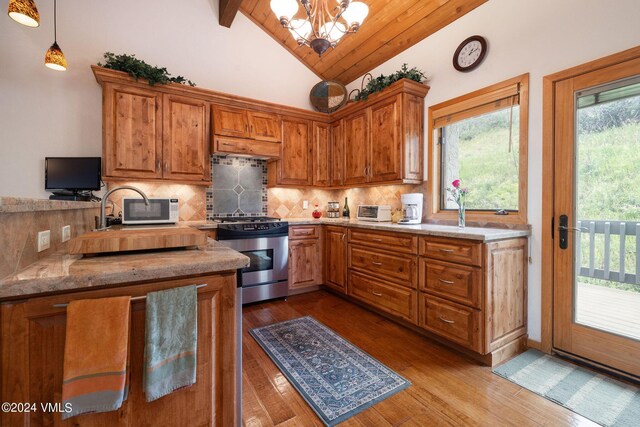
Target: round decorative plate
[328,96]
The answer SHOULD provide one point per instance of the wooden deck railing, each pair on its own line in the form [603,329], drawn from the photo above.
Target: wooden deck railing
[608,228]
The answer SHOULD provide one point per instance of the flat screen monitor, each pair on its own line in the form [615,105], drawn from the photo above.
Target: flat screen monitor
[72,173]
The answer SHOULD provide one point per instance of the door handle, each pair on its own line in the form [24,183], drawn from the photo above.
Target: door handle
[563,229]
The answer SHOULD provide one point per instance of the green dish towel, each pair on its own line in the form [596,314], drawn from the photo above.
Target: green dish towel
[170,341]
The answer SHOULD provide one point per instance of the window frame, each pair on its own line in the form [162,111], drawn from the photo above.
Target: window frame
[468,101]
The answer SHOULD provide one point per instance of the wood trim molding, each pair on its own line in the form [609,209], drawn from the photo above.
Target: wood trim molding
[433,181]
[548,142]
[228,9]
[104,75]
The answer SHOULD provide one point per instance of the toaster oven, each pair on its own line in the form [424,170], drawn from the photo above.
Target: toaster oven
[375,213]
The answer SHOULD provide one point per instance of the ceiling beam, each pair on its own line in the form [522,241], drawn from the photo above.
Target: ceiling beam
[228,11]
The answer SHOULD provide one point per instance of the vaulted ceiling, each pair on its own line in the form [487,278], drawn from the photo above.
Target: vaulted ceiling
[391,27]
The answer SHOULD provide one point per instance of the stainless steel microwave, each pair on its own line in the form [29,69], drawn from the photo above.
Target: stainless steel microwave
[376,213]
[159,211]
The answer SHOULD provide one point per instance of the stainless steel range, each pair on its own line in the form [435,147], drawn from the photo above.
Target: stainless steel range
[265,241]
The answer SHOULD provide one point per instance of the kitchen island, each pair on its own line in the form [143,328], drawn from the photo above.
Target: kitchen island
[33,319]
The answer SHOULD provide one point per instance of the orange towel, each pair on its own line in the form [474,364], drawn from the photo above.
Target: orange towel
[96,354]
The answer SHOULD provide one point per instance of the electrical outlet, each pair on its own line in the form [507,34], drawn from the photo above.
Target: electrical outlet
[44,240]
[66,233]
[305,204]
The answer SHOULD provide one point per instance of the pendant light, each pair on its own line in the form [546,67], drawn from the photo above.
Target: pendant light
[54,57]
[24,12]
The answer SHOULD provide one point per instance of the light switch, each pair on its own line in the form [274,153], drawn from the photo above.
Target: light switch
[305,204]
[66,233]
[44,240]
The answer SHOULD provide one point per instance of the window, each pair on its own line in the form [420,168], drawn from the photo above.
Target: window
[481,138]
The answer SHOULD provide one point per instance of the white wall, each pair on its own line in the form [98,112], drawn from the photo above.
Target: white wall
[49,113]
[539,37]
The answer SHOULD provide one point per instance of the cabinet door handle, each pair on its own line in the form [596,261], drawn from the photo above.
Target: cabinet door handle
[376,263]
[447,282]
[446,250]
[246,128]
[376,240]
[166,166]
[446,321]
[158,165]
[343,236]
[376,293]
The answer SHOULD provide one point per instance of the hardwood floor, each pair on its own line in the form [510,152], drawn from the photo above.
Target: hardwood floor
[448,389]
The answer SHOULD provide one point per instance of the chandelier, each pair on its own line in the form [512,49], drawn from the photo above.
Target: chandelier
[324,25]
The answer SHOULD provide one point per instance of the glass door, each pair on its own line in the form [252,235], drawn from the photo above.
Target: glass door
[597,217]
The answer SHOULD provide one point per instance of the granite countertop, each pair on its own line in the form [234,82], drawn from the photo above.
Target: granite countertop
[484,234]
[20,204]
[64,272]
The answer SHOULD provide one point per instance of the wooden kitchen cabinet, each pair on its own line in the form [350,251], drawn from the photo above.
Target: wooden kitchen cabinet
[185,139]
[385,148]
[33,337]
[132,132]
[305,257]
[151,135]
[335,258]
[337,153]
[322,154]
[384,136]
[242,123]
[356,152]
[468,293]
[295,166]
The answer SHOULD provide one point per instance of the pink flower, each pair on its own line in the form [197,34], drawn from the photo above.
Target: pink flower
[456,183]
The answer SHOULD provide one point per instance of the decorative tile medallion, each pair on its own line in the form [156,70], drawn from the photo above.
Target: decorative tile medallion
[239,187]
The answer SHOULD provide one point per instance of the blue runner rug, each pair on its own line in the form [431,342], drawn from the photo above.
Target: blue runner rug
[336,378]
[601,399]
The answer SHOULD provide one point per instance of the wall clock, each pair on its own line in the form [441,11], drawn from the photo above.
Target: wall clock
[470,53]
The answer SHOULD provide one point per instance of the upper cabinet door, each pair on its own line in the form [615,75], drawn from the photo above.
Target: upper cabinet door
[295,165]
[186,139]
[413,136]
[337,153]
[356,157]
[264,126]
[321,154]
[229,121]
[386,144]
[132,120]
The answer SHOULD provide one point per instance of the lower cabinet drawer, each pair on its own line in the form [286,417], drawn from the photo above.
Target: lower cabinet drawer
[452,321]
[393,299]
[401,268]
[459,283]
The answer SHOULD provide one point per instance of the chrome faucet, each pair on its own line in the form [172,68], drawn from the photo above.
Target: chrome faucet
[103,205]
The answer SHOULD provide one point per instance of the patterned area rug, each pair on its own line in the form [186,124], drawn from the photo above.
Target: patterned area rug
[336,378]
[601,399]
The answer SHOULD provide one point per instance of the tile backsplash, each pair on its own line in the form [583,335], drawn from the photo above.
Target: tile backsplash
[288,203]
[239,187]
[191,198]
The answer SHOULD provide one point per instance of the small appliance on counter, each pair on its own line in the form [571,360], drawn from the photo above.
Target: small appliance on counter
[333,210]
[374,213]
[159,211]
[411,208]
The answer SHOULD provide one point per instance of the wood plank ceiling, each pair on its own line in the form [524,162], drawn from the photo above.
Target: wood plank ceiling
[391,27]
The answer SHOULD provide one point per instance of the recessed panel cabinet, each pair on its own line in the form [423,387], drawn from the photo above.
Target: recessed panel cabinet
[185,139]
[242,123]
[335,257]
[356,152]
[295,166]
[305,257]
[151,135]
[33,336]
[322,151]
[132,126]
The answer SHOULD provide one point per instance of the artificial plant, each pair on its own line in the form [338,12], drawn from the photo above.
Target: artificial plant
[138,69]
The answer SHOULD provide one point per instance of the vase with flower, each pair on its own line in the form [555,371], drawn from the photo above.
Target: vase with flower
[458,195]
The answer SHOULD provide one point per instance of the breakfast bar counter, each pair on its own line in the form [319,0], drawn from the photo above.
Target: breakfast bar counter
[62,272]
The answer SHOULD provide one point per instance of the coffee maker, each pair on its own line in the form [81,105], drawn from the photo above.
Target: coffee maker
[411,208]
